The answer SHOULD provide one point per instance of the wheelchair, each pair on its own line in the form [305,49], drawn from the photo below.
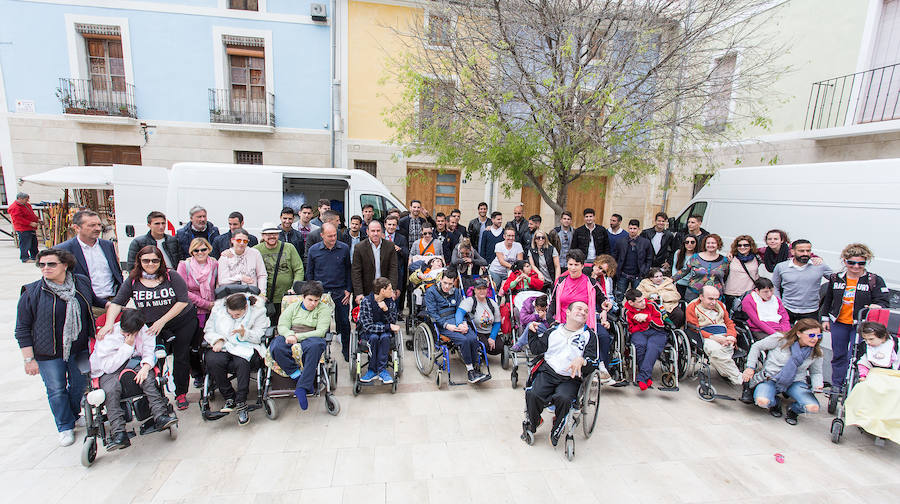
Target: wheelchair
[257,372]
[278,385]
[360,356]
[135,406]
[509,358]
[675,358]
[585,410]
[702,367]
[431,349]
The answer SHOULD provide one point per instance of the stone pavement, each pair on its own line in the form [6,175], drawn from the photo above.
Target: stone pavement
[424,445]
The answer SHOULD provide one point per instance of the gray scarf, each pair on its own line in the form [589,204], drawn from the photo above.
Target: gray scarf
[72,326]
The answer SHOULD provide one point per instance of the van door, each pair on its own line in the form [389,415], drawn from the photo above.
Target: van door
[137,191]
[697,208]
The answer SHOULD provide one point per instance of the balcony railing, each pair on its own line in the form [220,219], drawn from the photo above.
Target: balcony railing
[226,108]
[97,96]
[862,97]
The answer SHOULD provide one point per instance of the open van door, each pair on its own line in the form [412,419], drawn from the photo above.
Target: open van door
[138,190]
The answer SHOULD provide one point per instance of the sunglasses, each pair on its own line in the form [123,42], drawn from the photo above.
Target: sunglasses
[50,264]
[815,336]
[692,242]
[855,263]
[241,240]
[197,251]
[427,233]
[150,261]
[538,237]
[743,245]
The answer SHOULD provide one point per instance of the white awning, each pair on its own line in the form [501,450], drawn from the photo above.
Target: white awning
[75,177]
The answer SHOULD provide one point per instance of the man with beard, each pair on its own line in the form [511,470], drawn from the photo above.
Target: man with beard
[797,281]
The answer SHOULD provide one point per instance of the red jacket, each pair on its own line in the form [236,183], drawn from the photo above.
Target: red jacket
[533,282]
[653,317]
[22,216]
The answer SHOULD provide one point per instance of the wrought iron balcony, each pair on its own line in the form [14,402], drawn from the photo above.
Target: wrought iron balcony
[862,97]
[227,107]
[102,96]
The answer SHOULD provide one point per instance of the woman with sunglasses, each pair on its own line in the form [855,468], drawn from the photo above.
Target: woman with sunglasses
[162,296]
[743,270]
[788,359]
[200,272]
[53,325]
[845,297]
[242,264]
[707,267]
[544,258]
[687,249]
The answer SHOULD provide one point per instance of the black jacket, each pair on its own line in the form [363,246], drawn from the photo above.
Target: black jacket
[403,224]
[643,248]
[402,257]
[187,234]
[581,237]
[223,243]
[667,246]
[538,344]
[870,289]
[535,255]
[294,238]
[170,245]
[474,231]
[521,231]
[41,315]
[681,235]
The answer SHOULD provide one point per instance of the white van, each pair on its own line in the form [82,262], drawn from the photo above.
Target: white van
[829,204]
[257,191]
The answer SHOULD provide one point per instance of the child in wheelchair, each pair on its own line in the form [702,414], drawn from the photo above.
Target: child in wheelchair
[873,402]
[424,274]
[521,278]
[377,322]
[124,364]
[234,332]
[646,326]
[532,318]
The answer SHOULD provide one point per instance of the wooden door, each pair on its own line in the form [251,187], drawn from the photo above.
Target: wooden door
[437,190]
[106,155]
[587,192]
[531,200]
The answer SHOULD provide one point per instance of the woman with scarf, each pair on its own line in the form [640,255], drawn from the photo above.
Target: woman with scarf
[200,272]
[162,296]
[777,249]
[234,333]
[788,360]
[53,325]
[708,267]
[687,249]
[242,264]
[743,270]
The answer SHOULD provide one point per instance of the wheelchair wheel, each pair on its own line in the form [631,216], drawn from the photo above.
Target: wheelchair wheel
[423,348]
[89,451]
[514,377]
[332,406]
[570,448]
[394,387]
[706,392]
[504,358]
[356,389]
[271,410]
[837,429]
[668,380]
[528,437]
[354,357]
[590,403]
[173,432]
[684,353]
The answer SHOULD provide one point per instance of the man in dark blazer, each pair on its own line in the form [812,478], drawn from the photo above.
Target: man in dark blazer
[520,224]
[401,246]
[420,215]
[590,232]
[633,255]
[663,241]
[94,258]
[363,271]
[223,242]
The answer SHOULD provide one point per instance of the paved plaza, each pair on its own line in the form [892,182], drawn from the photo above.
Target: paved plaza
[424,445]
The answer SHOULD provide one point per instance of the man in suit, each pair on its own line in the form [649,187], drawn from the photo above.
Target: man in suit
[372,258]
[401,246]
[591,239]
[223,241]
[520,224]
[478,225]
[94,258]
[315,236]
[663,242]
[633,255]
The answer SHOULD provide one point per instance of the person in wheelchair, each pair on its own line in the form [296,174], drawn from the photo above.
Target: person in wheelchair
[128,348]
[304,323]
[377,323]
[708,318]
[441,302]
[522,277]
[645,324]
[788,360]
[569,351]
[532,318]
[484,314]
[466,260]
[234,332]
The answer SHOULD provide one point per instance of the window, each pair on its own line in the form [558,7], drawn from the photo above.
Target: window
[436,103]
[439,28]
[248,5]
[699,208]
[700,180]
[377,202]
[721,81]
[248,157]
[2,188]
[106,64]
[446,189]
[370,167]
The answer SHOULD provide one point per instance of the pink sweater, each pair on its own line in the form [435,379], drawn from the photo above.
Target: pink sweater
[203,305]
[748,305]
[250,264]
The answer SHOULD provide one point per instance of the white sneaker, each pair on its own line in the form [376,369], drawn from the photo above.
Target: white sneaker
[66,437]
[605,377]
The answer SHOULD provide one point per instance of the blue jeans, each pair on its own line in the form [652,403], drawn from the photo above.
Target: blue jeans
[28,245]
[625,282]
[313,348]
[604,340]
[380,349]
[842,336]
[798,391]
[65,388]
[467,342]
[342,321]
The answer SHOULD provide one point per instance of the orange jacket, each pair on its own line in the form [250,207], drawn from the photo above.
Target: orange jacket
[697,320]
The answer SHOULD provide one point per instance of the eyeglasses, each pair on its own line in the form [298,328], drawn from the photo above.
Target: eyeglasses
[538,237]
[427,233]
[855,263]
[150,261]
[202,249]
[50,264]
[241,240]
[743,245]
[815,335]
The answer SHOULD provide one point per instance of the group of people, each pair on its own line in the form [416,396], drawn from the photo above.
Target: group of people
[589,277]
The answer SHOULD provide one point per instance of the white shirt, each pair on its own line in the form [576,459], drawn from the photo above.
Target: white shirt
[159,245]
[657,241]
[592,250]
[376,251]
[98,269]
[510,254]
[563,346]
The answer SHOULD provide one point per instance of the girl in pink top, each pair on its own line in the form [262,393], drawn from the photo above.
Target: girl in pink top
[574,285]
[242,264]
[765,313]
[200,273]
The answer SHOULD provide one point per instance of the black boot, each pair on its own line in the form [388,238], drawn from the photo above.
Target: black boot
[747,394]
[790,417]
[243,413]
[164,422]
[119,440]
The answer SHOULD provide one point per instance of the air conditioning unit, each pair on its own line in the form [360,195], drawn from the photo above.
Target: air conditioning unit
[318,13]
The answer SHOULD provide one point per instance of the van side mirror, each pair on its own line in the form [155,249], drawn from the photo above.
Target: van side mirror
[129,231]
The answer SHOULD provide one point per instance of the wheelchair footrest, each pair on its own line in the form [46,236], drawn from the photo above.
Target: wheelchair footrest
[725,397]
[667,389]
[619,384]
[214,415]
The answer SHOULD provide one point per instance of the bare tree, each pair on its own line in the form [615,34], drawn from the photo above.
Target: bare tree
[548,92]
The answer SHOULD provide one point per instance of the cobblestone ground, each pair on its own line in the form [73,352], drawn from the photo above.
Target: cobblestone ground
[428,445]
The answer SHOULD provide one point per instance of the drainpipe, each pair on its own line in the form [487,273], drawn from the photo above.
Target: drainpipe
[334,81]
[673,135]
